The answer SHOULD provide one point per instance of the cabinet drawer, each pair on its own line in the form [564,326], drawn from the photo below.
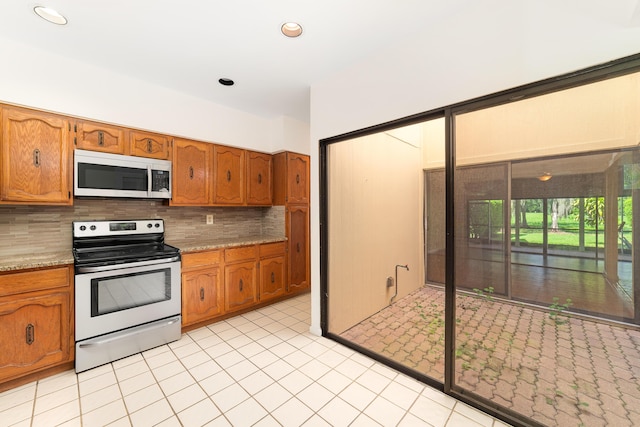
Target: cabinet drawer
[200,259]
[17,283]
[272,249]
[240,254]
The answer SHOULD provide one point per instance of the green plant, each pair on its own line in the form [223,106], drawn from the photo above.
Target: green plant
[486,293]
[557,310]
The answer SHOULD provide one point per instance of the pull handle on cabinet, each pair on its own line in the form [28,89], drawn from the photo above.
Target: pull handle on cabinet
[273,277]
[100,138]
[190,172]
[201,294]
[30,334]
[228,175]
[36,158]
[259,178]
[149,146]
[241,285]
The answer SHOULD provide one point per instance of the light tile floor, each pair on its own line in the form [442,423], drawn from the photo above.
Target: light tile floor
[261,368]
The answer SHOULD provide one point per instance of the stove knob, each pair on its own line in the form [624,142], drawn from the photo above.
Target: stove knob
[83,227]
[93,227]
[149,225]
[157,225]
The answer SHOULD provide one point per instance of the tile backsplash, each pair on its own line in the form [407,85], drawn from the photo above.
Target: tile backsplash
[28,230]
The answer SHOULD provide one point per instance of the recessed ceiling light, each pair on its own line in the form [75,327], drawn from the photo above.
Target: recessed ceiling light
[50,15]
[226,82]
[291,29]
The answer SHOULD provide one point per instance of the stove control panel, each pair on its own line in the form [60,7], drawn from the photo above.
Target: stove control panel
[117,228]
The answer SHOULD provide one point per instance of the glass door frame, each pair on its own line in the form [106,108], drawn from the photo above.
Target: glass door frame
[588,75]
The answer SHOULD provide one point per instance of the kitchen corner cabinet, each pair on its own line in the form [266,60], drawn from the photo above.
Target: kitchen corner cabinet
[147,144]
[272,271]
[291,189]
[36,309]
[202,288]
[191,177]
[35,162]
[99,137]
[259,182]
[229,175]
[240,278]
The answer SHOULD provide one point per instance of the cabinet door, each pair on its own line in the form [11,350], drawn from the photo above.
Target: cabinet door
[240,285]
[298,234]
[191,162]
[202,295]
[99,137]
[259,173]
[297,178]
[146,144]
[228,166]
[34,334]
[36,165]
[272,274]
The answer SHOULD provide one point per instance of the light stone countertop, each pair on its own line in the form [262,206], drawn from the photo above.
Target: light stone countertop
[52,259]
[196,245]
[27,261]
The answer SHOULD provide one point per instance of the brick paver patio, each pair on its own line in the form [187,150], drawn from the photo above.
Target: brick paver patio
[559,370]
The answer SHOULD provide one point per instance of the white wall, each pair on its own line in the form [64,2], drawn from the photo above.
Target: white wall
[475,54]
[375,208]
[35,78]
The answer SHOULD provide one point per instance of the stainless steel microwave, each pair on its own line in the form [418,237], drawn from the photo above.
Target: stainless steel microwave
[114,175]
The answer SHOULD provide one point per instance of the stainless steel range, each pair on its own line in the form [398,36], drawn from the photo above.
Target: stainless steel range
[127,290]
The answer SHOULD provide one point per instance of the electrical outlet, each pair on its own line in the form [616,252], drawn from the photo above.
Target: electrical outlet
[209,219]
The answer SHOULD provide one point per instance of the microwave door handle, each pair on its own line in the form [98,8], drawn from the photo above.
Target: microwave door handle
[149,179]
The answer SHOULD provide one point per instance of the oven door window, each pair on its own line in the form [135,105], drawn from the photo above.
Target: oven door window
[127,291]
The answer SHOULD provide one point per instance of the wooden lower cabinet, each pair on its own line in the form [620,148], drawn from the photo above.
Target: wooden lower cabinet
[272,271]
[240,286]
[221,282]
[202,290]
[36,310]
[240,277]
[298,231]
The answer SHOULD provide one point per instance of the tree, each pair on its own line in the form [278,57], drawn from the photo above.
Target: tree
[523,213]
[593,210]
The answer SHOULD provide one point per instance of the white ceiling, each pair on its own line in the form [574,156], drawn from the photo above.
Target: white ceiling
[187,45]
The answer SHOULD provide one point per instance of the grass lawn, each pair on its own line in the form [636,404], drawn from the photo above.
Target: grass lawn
[567,235]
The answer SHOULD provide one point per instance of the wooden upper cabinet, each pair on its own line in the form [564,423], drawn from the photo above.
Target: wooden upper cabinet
[259,173]
[291,178]
[191,179]
[100,137]
[147,144]
[36,162]
[229,179]
[298,178]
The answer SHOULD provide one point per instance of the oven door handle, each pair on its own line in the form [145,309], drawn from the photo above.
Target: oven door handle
[126,265]
[134,331]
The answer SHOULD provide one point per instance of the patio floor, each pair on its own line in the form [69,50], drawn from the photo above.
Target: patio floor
[555,368]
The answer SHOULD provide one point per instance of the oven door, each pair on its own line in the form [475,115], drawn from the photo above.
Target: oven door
[122,297]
